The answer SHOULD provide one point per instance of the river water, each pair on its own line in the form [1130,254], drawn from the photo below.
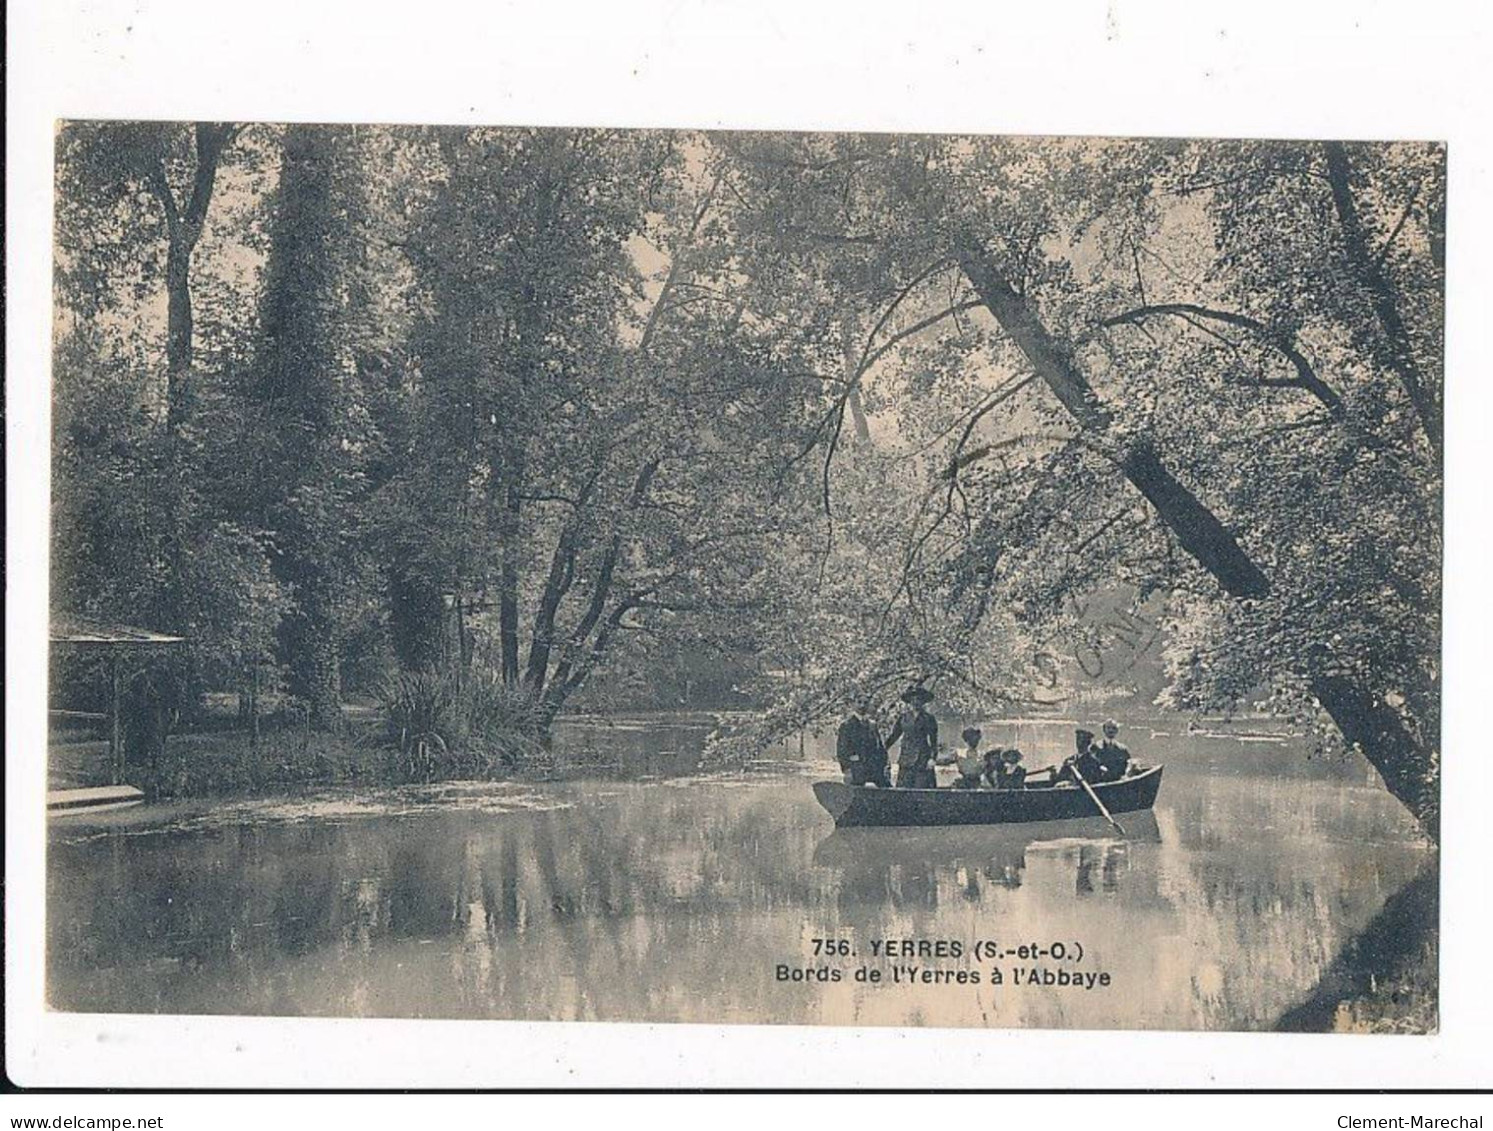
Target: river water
[679,896]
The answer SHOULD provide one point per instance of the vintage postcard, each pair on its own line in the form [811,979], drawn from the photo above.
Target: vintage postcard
[726,577]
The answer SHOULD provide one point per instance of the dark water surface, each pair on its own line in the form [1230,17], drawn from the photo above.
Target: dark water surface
[677,899]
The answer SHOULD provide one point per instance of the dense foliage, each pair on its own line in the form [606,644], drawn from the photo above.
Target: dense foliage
[494,420]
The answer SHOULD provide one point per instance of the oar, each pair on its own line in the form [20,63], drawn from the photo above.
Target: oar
[1094,797]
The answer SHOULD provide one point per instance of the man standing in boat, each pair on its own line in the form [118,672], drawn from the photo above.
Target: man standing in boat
[859,751]
[918,731]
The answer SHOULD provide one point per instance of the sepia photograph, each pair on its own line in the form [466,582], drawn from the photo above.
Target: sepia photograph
[730,577]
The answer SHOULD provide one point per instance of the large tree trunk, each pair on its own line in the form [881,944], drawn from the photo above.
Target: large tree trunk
[1409,768]
[298,377]
[559,583]
[572,667]
[556,585]
[1198,529]
[184,224]
[576,663]
[178,334]
[1363,718]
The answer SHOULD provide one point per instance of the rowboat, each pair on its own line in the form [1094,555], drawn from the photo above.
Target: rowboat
[861,806]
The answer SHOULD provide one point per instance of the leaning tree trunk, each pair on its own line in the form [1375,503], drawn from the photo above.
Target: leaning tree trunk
[1199,530]
[1362,716]
[1409,768]
[556,585]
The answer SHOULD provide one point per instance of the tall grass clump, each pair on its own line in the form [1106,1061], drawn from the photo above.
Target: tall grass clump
[423,716]
[505,725]
[443,726]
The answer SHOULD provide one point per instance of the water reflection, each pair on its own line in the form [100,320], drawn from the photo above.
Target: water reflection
[875,862]
[678,901]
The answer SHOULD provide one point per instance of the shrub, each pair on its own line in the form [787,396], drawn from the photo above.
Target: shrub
[444,727]
[424,721]
[505,725]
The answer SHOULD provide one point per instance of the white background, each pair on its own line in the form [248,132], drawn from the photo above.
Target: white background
[1251,68]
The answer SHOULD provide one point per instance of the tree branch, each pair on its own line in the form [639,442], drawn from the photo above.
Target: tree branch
[1395,232]
[676,263]
[892,309]
[1306,376]
[160,187]
[836,414]
[841,238]
[916,328]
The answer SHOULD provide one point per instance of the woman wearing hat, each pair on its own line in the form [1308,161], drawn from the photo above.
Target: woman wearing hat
[971,762]
[918,731]
[1009,773]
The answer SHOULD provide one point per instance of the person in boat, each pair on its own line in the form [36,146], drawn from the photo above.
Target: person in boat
[1083,761]
[1010,773]
[859,751]
[917,730]
[1113,756]
[971,762]
[991,774]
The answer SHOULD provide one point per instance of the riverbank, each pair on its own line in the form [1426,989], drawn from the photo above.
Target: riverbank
[1405,1003]
[309,806]
[230,764]
[1386,979]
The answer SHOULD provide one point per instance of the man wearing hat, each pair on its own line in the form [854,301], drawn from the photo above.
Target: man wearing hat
[1083,760]
[918,730]
[1113,756]
[859,751]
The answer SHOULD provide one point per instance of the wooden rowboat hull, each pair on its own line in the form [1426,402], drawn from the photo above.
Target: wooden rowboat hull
[860,806]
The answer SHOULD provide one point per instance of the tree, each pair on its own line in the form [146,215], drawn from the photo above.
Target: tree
[140,535]
[1045,232]
[1356,588]
[313,418]
[602,418]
